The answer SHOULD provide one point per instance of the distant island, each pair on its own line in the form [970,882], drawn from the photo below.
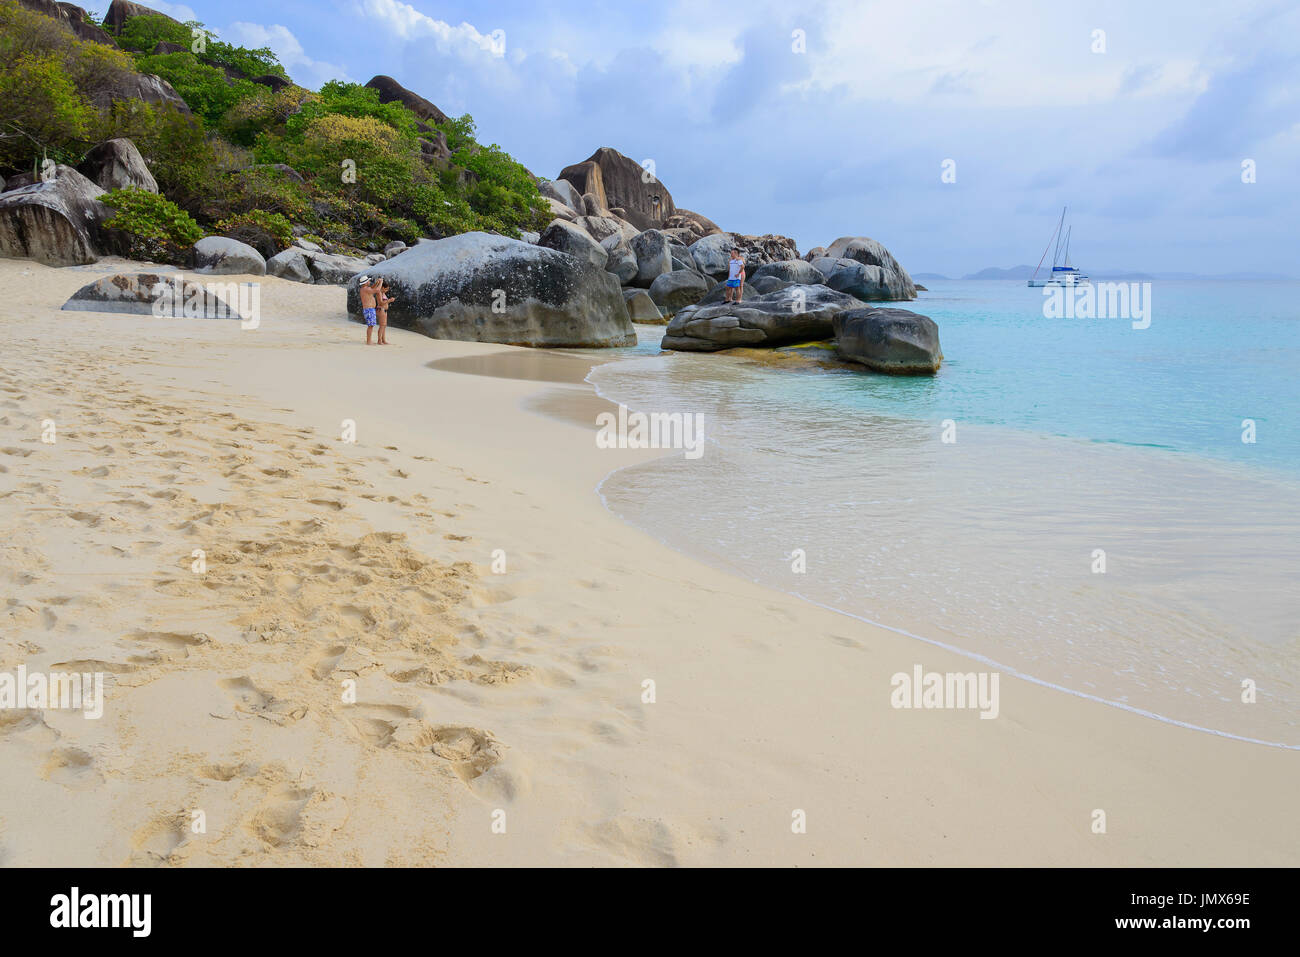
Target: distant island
[1025,272]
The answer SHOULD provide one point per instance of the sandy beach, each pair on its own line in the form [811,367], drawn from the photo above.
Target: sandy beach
[499,716]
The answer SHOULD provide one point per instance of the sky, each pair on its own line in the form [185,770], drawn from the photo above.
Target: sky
[953,131]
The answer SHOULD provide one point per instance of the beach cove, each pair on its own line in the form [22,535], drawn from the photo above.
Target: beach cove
[490,718]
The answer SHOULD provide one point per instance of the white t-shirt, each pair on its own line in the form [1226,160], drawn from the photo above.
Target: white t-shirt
[736,266]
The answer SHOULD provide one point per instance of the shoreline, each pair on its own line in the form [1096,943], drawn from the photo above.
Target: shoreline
[761,706]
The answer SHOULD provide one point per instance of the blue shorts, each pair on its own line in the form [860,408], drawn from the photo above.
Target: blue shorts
[369,315]
[733,283]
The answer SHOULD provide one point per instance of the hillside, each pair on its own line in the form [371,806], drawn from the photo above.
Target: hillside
[236,145]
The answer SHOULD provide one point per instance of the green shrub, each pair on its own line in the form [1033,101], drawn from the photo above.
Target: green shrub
[157,227]
[145,32]
[205,89]
[44,114]
[268,233]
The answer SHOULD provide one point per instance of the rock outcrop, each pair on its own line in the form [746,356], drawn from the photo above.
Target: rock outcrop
[676,290]
[390,90]
[289,264]
[145,294]
[117,164]
[868,283]
[652,257]
[789,270]
[791,315]
[71,16]
[333,270]
[483,288]
[141,86]
[712,253]
[562,191]
[699,226]
[619,182]
[57,221]
[641,308]
[120,11]
[620,260]
[889,340]
[881,279]
[222,256]
[568,238]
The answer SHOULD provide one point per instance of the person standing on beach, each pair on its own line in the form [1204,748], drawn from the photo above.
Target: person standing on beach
[735,277]
[382,299]
[368,290]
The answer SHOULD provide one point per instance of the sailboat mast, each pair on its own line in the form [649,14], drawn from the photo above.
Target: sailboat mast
[1067,245]
[1056,254]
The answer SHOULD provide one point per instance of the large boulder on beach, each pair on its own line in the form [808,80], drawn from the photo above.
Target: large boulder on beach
[57,220]
[653,258]
[289,264]
[765,284]
[642,308]
[865,282]
[117,164]
[882,277]
[889,340]
[483,288]
[572,239]
[601,228]
[713,252]
[674,290]
[221,255]
[790,315]
[334,270]
[165,296]
[620,259]
[789,270]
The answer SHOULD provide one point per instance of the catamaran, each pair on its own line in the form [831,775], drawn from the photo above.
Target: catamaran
[1063,274]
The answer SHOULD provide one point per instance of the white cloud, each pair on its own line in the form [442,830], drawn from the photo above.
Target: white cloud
[410,24]
[285,46]
[177,11]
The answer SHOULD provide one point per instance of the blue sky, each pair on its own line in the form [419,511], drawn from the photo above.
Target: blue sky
[843,127]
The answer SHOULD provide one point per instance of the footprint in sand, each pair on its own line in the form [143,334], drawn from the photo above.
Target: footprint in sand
[173,644]
[248,699]
[299,816]
[73,768]
[153,844]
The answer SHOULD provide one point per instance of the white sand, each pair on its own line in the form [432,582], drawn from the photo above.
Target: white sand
[478,693]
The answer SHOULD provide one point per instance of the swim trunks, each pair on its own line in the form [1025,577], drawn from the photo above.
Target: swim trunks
[369,314]
[733,283]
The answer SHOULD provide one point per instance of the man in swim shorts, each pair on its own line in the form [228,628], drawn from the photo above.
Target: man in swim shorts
[368,290]
[735,278]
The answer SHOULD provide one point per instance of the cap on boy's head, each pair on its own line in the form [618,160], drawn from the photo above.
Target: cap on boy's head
[364,280]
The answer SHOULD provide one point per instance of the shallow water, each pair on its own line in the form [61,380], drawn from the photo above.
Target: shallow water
[1072,436]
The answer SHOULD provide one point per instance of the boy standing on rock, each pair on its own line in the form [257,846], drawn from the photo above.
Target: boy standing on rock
[735,277]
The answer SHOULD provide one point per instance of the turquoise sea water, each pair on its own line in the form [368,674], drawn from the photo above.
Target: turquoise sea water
[1073,436]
